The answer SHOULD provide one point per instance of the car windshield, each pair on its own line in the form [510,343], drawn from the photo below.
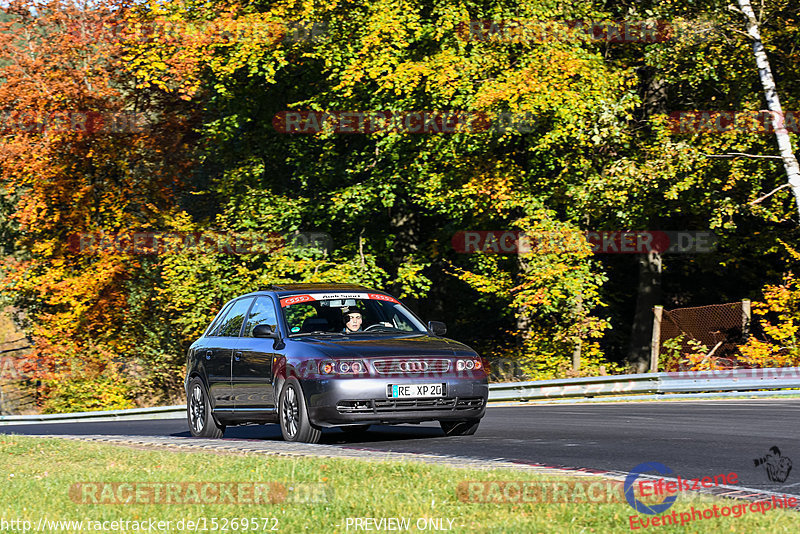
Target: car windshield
[347,314]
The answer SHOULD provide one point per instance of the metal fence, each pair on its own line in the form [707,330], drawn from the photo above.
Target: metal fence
[720,327]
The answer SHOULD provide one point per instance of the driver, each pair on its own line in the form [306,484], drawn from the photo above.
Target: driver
[352,318]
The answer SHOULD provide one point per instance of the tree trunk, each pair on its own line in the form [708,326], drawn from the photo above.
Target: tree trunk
[524,319]
[649,295]
[773,102]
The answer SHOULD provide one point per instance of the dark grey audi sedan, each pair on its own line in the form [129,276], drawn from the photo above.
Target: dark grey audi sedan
[310,356]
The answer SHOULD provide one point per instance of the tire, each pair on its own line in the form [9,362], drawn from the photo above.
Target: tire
[293,414]
[198,412]
[354,429]
[460,428]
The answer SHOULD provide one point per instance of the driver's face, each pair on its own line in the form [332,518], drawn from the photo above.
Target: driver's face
[353,322]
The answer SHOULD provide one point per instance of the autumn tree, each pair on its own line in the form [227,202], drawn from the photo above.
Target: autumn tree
[83,152]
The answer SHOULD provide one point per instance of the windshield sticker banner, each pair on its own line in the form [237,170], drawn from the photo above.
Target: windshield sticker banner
[297,299]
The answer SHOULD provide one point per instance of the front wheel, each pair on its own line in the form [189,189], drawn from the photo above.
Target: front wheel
[460,428]
[293,413]
[198,412]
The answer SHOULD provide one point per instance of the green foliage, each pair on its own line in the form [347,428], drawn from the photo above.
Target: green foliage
[779,318]
[679,352]
[670,357]
[89,380]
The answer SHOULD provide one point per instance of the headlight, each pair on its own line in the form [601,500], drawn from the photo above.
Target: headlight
[469,364]
[342,367]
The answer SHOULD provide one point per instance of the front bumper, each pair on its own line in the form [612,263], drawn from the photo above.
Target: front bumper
[337,401]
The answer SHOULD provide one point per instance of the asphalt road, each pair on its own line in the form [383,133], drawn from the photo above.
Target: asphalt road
[695,439]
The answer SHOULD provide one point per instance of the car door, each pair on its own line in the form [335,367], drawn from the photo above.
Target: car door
[253,360]
[202,350]
[219,353]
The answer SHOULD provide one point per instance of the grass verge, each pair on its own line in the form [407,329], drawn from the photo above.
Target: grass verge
[63,480]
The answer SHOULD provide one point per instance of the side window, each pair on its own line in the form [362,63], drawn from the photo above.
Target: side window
[218,320]
[296,315]
[232,323]
[262,312]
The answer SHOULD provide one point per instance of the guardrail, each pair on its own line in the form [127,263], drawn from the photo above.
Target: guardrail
[653,383]
[159,412]
[693,382]
[573,387]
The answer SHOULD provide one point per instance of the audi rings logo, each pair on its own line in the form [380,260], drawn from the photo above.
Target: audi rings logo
[413,367]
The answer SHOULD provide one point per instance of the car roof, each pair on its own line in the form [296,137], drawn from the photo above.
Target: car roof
[288,289]
[320,285]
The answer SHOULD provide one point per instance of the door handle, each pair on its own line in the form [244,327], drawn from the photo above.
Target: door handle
[237,355]
[208,355]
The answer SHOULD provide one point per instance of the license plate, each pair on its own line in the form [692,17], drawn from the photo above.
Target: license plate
[404,391]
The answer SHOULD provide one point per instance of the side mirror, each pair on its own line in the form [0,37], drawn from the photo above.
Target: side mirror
[265,330]
[437,327]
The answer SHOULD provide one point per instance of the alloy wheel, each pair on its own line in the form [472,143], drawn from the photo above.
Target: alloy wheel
[198,409]
[291,412]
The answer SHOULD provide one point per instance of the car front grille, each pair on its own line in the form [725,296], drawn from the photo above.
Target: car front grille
[411,366]
[398,405]
[401,405]
[365,406]
[469,403]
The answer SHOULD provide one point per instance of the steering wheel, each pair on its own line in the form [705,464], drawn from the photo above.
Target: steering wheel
[379,325]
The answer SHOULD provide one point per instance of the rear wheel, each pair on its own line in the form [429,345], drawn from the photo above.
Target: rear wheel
[293,413]
[198,412]
[460,428]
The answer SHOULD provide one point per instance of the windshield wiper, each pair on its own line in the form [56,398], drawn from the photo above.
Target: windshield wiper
[317,333]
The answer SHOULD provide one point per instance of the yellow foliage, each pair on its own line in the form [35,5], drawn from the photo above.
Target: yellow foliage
[780,321]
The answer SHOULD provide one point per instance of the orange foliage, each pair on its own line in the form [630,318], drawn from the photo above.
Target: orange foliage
[99,168]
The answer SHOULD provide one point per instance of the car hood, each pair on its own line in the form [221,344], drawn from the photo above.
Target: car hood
[375,346]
